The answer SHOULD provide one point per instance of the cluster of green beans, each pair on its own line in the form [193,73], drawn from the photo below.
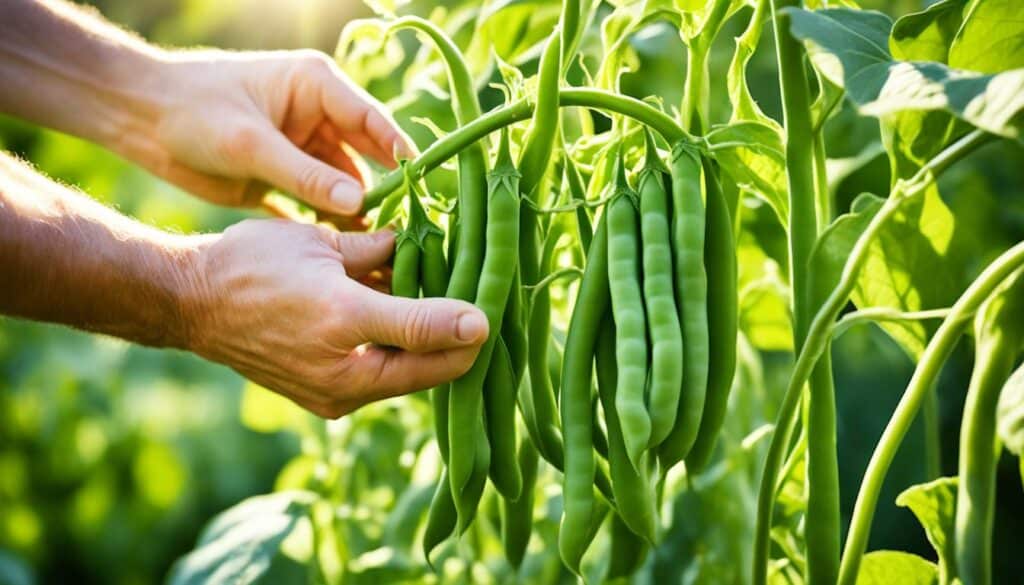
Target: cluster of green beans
[649,241]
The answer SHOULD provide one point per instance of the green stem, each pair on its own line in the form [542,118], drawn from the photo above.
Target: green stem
[496,119]
[822,516]
[934,356]
[695,92]
[878,314]
[820,331]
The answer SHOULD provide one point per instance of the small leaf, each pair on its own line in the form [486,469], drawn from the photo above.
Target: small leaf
[753,155]
[1011,414]
[934,504]
[265,540]
[883,567]
[267,412]
[835,245]
[927,35]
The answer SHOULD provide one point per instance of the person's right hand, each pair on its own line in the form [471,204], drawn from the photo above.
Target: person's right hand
[277,301]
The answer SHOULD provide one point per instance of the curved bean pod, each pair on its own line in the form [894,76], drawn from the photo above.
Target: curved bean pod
[500,409]
[723,317]
[666,376]
[576,409]
[999,330]
[688,221]
[630,321]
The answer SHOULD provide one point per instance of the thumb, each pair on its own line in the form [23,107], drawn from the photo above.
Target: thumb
[422,325]
[362,252]
[281,163]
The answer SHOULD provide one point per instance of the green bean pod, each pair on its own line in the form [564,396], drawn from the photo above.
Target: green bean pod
[666,376]
[500,409]
[630,322]
[628,552]
[468,501]
[999,331]
[633,494]
[688,225]
[433,266]
[723,318]
[517,516]
[576,409]
[465,412]
[441,517]
[533,164]
[405,273]
[513,331]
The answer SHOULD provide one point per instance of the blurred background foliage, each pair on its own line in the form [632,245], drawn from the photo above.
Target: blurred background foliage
[113,457]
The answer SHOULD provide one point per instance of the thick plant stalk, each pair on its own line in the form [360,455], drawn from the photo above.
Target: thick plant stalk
[822,516]
[820,333]
[934,356]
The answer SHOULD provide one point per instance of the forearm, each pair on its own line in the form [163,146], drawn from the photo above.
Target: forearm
[65,258]
[69,70]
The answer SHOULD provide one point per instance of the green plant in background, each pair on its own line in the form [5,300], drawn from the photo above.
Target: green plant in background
[674,280]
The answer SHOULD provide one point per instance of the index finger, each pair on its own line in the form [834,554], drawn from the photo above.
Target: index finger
[363,121]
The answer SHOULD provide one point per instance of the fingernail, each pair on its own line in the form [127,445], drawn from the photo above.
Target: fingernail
[471,327]
[347,197]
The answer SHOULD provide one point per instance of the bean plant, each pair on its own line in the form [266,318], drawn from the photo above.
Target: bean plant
[618,424]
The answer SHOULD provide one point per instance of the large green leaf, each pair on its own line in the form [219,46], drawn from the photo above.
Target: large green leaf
[262,540]
[991,38]
[911,266]
[1011,413]
[927,35]
[883,567]
[851,48]
[934,504]
[753,155]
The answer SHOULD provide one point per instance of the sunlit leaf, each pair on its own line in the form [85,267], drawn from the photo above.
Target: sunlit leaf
[753,155]
[262,540]
[1011,413]
[269,412]
[852,49]
[913,264]
[934,505]
[882,567]
[991,38]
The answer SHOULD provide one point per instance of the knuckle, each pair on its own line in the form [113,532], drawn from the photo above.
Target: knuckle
[311,181]
[242,143]
[313,62]
[417,325]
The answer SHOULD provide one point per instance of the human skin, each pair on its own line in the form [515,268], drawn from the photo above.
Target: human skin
[278,301]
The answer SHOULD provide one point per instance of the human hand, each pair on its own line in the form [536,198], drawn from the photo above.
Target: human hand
[232,124]
[277,301]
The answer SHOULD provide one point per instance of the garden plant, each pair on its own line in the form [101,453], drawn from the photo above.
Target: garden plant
[621,242]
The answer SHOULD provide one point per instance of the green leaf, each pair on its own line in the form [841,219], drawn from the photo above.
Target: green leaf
[883,567]
[743,105]
[934,504]
[927,35]
[265,540]
[268,412]
[991,38]
[913,265]
[851,48]
[835,245]
[1010,421]
[753,155]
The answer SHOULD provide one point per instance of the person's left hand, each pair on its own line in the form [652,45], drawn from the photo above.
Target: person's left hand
[233,124]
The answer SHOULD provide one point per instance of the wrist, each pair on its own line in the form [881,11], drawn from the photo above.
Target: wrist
[190,292]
